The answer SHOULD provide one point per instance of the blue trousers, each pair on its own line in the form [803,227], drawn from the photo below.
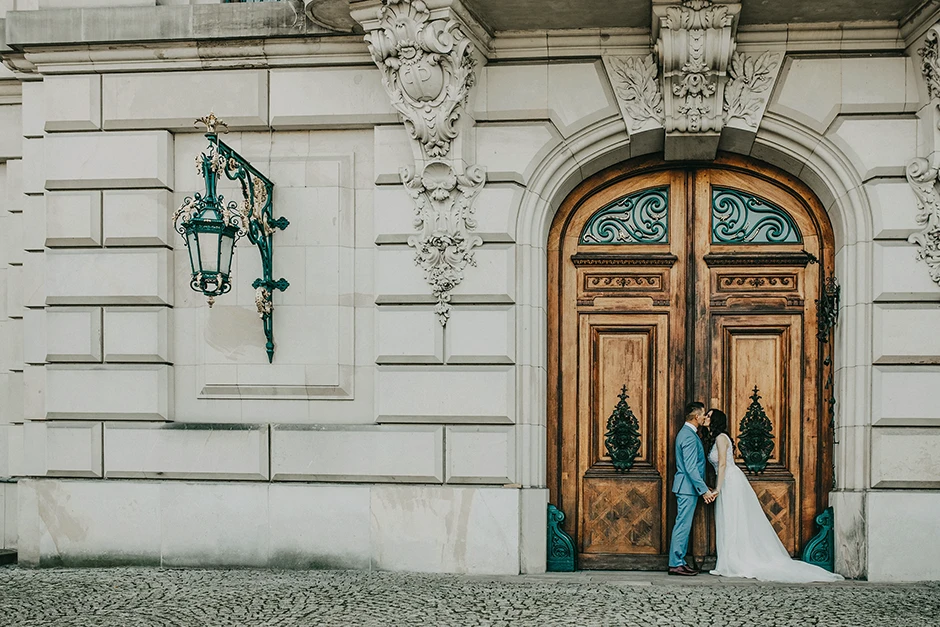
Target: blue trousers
[680,533]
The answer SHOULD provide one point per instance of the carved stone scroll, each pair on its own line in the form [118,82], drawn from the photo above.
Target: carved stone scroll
[427,63]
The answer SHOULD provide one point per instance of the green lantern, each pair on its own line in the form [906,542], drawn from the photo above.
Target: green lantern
[210,227]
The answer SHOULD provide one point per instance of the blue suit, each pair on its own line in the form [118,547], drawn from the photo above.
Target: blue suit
[688,486]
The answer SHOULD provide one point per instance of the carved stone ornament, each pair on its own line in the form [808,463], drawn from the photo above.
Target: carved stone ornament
[922,174]
[930,61]
[444,219]
[694,47]
[635,81]
[749,80]
[428,69]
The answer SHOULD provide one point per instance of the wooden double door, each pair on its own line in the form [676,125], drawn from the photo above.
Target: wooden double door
[679,284]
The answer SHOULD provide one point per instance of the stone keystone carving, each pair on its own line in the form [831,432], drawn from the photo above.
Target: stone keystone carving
[694,45]
[428,70]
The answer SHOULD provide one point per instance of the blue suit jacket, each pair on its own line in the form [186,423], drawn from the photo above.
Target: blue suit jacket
[690,463]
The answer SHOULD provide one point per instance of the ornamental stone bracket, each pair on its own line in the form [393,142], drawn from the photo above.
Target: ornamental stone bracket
[923,173]
[428,51]
[694,94]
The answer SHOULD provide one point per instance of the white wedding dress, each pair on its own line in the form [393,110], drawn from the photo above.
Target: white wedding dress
[748,546]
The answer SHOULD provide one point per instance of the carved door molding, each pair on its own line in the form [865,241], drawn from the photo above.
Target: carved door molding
[683,283]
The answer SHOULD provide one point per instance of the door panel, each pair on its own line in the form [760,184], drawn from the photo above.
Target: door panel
[622,513]
[682,284]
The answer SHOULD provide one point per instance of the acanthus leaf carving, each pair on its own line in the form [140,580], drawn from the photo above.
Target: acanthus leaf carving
[427,69]
[444,217]
[637,88]
[922,174]
[749,80]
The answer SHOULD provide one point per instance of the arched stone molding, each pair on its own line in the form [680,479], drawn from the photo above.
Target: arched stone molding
[781,142]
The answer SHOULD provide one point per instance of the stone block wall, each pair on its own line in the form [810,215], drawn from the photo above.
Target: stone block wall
[378,437]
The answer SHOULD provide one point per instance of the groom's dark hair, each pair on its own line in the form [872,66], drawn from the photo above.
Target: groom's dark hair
[694,407]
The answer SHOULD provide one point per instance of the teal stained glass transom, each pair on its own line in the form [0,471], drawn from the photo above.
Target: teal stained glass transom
[638,218]
[742,218]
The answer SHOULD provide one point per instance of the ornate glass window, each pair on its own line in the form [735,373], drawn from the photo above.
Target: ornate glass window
[638,218]
[742,218]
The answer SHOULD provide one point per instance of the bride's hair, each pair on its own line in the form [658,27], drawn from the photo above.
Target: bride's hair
[719,424]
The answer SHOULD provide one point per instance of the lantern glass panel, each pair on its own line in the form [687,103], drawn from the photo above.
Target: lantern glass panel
[193,247]
[209,250]
[227,244]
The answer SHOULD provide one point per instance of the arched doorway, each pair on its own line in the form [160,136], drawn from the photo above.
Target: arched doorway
[694,282]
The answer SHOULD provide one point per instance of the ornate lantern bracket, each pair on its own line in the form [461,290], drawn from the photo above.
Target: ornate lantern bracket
[210,227]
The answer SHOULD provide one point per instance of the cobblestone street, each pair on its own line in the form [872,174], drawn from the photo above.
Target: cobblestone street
[137,597]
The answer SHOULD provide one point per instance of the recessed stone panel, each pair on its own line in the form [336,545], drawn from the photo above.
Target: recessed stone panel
[893,208]
[899,275]
[408,335]
[109,392]
[73,334]
[398,454]
[905,457]
[355,98]
[140,101]
[186,451]
[138,217]
[63,449]
[116,277]
[481,335]
[107,160]
[136,334]
[480,454]
[72,103]
[73,219]
[904,396]
[906,334]
[446,394]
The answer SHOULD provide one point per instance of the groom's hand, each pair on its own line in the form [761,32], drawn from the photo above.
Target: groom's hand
[710,496]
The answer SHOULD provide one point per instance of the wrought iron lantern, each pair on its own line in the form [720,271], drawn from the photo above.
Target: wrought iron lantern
[210,226]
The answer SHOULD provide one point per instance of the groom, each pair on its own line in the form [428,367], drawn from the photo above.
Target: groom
[688,486]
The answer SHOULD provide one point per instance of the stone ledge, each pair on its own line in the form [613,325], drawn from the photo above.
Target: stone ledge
[141,24]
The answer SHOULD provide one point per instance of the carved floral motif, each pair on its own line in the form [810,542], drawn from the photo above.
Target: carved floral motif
[444,218]
[635,82]
[749,78]
[427,69]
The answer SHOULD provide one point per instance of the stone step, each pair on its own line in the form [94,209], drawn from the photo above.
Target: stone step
[7,556]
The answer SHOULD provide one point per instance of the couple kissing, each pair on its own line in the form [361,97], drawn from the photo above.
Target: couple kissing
[747,544]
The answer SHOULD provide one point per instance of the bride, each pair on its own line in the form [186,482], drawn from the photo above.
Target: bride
[748,546]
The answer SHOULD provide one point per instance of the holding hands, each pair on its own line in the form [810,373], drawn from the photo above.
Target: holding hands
[710,496]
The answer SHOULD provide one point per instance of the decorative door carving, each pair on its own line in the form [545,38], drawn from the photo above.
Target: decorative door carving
[683,284]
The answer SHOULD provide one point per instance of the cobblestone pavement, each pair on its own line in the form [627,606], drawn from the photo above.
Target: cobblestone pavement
[140,597]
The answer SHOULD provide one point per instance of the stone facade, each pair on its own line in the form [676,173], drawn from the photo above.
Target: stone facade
[402,423]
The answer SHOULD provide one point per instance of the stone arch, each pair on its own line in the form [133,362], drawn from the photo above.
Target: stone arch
[781,142]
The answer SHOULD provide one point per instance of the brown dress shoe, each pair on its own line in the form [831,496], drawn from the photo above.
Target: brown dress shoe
[682,570]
